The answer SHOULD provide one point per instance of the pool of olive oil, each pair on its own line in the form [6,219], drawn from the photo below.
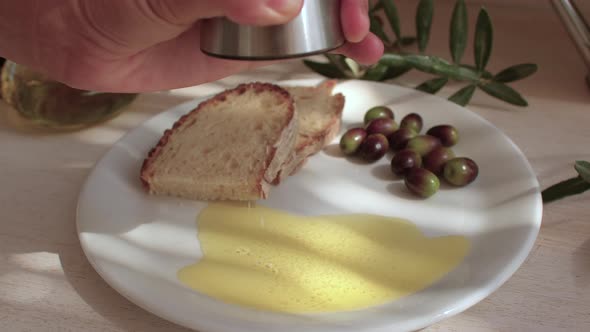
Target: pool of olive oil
[275,261]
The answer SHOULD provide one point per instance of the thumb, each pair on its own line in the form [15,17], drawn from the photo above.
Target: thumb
[251,12]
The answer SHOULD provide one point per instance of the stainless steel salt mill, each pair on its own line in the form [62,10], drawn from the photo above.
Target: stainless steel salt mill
[317,29]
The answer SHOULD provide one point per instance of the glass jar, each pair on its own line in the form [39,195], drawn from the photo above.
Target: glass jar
[42,102]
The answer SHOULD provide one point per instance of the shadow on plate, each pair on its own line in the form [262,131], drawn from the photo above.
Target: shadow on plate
[399,190]
[333,150]
[383,172]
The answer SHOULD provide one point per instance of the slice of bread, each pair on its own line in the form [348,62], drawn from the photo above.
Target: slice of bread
[319,115]
[229,148]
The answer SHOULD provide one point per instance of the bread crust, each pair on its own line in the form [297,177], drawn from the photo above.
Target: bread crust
[274,158]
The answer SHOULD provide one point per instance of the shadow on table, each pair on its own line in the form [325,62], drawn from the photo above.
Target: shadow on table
[62,174]
[581,265]
[105,300]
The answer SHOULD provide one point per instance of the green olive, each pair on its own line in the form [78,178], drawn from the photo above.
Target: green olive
[374,147]
[405,160]
[460,171]
[436,159]
[423,144]
[412,121]
[378,112]
[422,182]
[447,134]
[384,126]
[351,140]
[399,139]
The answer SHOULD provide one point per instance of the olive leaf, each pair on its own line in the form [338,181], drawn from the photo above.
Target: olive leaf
[424,17]
[376,73]
[583,169]
[516,72]
[392,16]
[355,68]
[484,73]
[339,61]
[378,6]
[404,41]
[396,71]
[433,86]
[503,92]
[395,64]
[459,22]
[463,96]
[326,69]
[483,39]
[377,29]
[570,187]
[437,66]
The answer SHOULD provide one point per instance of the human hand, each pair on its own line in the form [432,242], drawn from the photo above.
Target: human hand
[147,45]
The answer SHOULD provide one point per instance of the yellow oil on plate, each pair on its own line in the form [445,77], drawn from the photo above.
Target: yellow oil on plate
[271,260]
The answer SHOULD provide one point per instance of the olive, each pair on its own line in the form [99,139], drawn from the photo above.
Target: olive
[460,171]
[436,159]
[423,144]
[422,182]
[447,134]
[412,121]
[383,126]
[400,138]
[405,160]
[351,140]
[374,147]
[378,112]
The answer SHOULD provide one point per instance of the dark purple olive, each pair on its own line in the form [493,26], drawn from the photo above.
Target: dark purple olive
[378,112]
[412,121]
[374,147]
[422,182]
[460,171]
[400,138]
[423,144]
[436,159]
[405,160]
[351,140]
[447,134]
[384,126]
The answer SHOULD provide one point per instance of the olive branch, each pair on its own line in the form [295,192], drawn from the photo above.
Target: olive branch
[397,61]
[573,186]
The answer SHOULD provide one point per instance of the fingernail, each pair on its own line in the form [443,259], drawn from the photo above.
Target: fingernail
[284,7]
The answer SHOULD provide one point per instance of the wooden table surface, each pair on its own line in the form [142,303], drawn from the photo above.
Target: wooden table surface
[46,283]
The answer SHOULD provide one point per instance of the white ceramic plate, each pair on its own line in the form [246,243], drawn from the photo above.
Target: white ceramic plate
[137,242]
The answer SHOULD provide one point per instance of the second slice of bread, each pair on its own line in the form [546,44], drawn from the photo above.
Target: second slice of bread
[319,113]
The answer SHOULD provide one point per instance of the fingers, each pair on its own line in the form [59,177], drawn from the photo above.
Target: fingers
[123,27]
[175,63]
[367,51]
[362,45]
[254,12]
[355,20]
[153,45]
